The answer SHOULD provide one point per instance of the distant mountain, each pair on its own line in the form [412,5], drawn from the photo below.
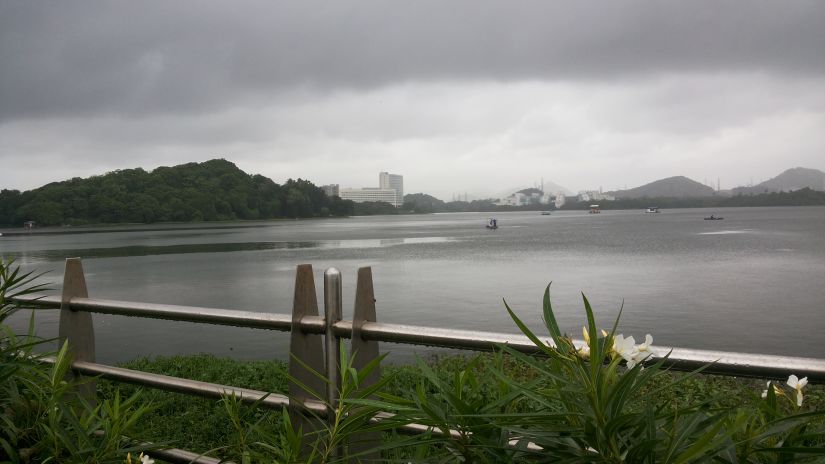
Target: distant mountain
[672,187]
[790,180]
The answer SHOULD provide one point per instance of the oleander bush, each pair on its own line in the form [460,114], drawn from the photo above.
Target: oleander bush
[44,417]
[605,401]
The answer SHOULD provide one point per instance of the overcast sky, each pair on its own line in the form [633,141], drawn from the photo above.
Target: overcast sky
[457,96]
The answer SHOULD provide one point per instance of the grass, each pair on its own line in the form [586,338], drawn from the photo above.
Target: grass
[199,424]
[190,422]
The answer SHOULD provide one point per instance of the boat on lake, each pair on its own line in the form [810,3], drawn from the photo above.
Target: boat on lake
[652,209]
[545,213]
[713,218]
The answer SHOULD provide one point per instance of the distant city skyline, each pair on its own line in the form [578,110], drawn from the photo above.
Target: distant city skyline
[477,98]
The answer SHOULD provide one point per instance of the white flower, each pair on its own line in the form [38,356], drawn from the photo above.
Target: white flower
[630,352]
[626,348]
[643,350]
[796,383]
[145,459]
[646,345]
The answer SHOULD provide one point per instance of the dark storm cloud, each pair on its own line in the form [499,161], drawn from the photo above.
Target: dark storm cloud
[138,58]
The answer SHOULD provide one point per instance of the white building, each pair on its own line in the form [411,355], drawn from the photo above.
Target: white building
[394,182]
[529,198]
[390,190]
[370,194]
[594,195]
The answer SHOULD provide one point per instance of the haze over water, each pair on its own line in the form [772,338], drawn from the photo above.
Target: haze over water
[752,282]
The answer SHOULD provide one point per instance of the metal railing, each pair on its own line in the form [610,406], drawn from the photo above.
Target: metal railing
[314,340]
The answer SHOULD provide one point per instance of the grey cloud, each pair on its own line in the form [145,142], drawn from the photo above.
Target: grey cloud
[133,58]
[496,134]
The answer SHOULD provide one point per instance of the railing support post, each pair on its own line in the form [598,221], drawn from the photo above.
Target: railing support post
[364,352]
[308,348]
[76,327]
[333,309]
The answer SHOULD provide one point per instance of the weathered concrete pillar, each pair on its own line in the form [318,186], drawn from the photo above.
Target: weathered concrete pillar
[76,327]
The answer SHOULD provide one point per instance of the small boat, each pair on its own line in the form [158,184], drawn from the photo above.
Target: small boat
[492,223]
[545,213]
[652,209]
[594,209]
[714,218]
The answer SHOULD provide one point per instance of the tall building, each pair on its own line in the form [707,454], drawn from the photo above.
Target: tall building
[394,182]
[390,190]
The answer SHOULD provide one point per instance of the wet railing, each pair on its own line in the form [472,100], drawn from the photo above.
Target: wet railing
[314,340]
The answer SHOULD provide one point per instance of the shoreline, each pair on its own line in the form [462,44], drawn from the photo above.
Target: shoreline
[149,227]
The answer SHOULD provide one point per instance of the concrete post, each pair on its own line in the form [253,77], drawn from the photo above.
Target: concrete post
[364,352]
[76,327]
[306,347]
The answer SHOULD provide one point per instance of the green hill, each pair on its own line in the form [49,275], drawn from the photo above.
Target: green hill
[423,203]
[214,190]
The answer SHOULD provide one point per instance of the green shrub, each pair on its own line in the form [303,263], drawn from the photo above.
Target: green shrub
[44,418]
[605,401]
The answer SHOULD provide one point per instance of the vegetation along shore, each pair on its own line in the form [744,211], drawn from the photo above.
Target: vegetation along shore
[217,190]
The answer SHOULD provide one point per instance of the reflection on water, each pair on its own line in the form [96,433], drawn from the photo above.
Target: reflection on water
[140,250]
[729,232]
[385,242]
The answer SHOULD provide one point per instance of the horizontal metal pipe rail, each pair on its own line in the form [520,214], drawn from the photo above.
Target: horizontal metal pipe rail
[173,455]
[249,319]
[179,456]
[682,359]
[187,386]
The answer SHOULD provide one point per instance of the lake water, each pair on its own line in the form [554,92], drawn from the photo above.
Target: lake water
[753,282]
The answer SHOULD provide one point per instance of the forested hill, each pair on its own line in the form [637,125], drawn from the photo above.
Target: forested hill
[214,190]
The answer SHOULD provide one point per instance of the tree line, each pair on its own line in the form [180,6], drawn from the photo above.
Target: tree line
[214,190]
